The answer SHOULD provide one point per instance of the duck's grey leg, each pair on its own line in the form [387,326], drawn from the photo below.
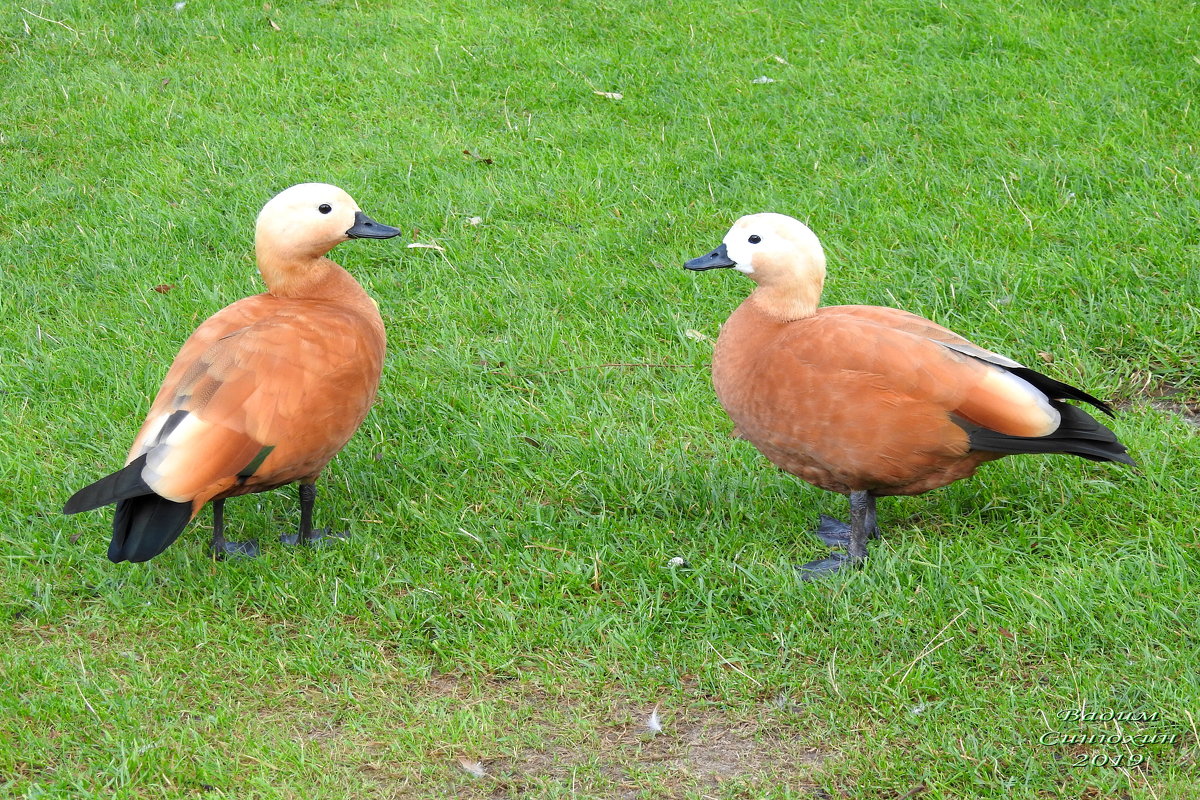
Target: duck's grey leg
[862,524]
[836,533]
[852,537]
[219,547]
[306,534]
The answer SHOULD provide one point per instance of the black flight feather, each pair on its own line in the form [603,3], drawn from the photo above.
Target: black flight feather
[145,526]
[110,489]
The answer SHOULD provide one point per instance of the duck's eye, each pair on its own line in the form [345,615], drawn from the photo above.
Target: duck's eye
[324,208]
[755,239]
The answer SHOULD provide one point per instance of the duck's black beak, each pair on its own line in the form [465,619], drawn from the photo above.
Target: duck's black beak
[366,228]
[717,259]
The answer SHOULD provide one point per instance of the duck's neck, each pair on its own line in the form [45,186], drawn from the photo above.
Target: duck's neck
[299,277]
[316,278]
[785,301]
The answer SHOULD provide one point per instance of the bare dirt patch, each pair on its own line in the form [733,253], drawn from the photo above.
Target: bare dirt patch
[1190,412]
[1171,399]
[696,749]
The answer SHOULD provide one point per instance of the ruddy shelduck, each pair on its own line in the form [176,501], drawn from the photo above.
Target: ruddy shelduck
[869,401]
[264,393]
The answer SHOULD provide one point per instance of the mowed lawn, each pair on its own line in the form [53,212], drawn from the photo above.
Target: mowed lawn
[504,620]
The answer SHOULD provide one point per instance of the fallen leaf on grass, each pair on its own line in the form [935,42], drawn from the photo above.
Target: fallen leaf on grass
[163,288]
[415,245]
[610,95]
[271,22]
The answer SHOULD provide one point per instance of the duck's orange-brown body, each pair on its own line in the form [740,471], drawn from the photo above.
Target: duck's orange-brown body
[295,374]
[263,393]
[850,398]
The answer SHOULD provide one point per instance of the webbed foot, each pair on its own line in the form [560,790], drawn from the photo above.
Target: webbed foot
[833,532]
[222,549]
[318,537]
[851,537]
[827,566]
[836,533]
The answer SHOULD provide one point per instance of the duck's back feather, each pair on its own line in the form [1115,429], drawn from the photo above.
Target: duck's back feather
[145,524]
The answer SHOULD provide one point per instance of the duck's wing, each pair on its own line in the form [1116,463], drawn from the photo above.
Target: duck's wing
[891,358]
[242,314]
[909,362]
[919,326]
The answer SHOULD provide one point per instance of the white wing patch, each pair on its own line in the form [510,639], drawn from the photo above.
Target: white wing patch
[168,468]
[974,351]
[150,436]
[1024,409]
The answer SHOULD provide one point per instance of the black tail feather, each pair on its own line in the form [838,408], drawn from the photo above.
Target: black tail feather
[1078,434]
[110,489]
[145,526]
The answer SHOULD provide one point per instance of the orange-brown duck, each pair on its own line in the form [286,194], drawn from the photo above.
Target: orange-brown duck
[264,393]
[869,401]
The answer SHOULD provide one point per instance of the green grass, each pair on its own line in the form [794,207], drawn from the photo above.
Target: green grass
[1024,173]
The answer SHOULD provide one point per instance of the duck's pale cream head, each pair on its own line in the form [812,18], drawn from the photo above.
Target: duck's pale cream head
[778,253]
[308,220]
[298,226]
[767,247]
